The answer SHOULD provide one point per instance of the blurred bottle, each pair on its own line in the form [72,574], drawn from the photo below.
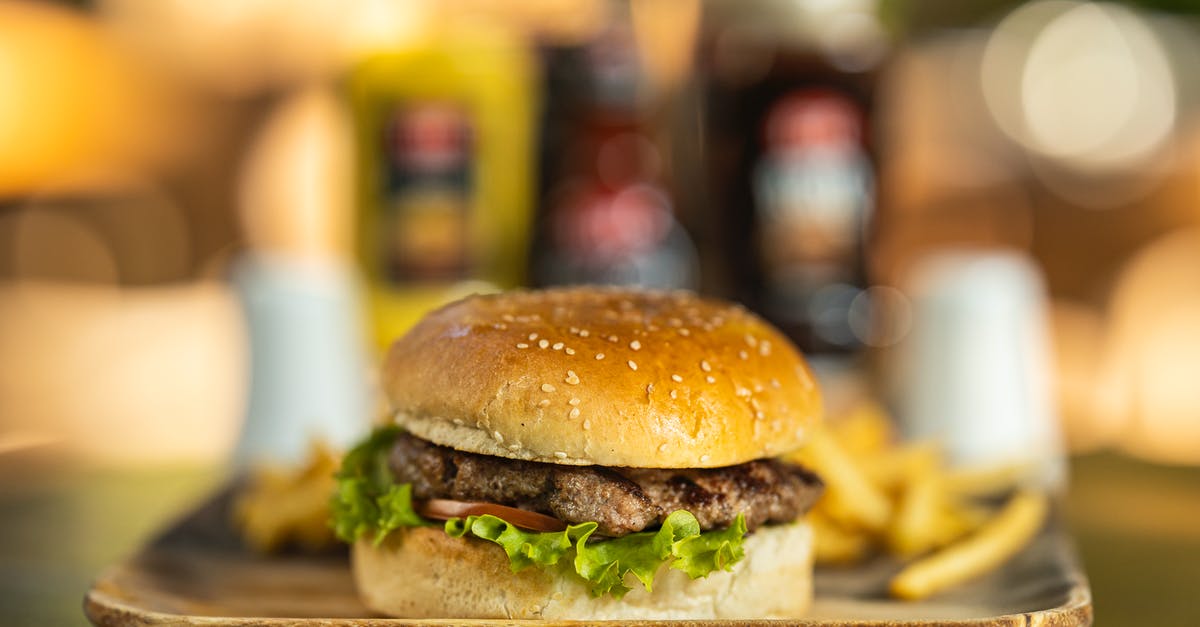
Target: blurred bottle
[296,284]
[790,159]
[444,133]
[606,213]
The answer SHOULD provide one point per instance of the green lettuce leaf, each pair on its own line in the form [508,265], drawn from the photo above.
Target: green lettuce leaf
[605,563]
[369,502]
[704,553]
[396,510]
[524,548]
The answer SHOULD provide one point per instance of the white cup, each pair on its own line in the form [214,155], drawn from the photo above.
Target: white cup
[308,375]
[974,373]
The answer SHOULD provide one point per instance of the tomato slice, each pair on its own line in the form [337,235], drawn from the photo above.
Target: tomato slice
[445,509]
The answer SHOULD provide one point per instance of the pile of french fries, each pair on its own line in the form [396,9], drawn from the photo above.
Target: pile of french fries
[901,498]
[280,507]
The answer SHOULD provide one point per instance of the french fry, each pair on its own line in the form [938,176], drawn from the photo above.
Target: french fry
[994,543]
[833,544]
[958,518]
[850,498]
[865,431]
[889,469]
[914,529]
[989,480]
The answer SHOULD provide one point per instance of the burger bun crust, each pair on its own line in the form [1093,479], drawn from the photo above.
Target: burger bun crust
[602,376]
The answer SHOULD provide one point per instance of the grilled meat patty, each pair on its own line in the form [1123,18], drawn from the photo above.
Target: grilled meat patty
[620,500]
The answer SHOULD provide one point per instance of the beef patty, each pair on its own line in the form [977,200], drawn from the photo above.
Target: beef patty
[620,500]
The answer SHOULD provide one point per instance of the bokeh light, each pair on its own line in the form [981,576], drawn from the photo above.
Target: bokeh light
[1087,88]
[1156,347]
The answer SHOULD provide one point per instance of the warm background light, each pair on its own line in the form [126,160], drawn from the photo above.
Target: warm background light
[295,197]
[122,376]
[1088,89]
[1156,346]
[1092,408]
[1097,88]
[52,60]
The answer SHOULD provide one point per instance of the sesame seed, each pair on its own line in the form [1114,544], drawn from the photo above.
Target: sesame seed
[599,356]
[674,394]
[613,339]
[758,388]
[557,346]
[758,415]
[587,424]
[632,365]
[572,378]
[545,402]
[649,389]
[710,379]
[775,383]
[574,331]
[522,345]
[662,447]
[704,459]
[569,351]
[546,387]
[751,340]
[499,326]
[499,436]
[764,349]
[744,355]
[635,345]
[458,421]
[704,365]
[676,378]
[532,336]
[584,333]
[513,447]
[741,391]
[560,454]
[574,413]
[684,332]
[543,343]
[573,402]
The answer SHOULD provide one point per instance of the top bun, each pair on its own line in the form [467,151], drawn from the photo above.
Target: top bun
[602,376]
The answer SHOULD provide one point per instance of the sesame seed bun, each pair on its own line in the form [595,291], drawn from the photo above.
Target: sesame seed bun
[421,572]
[602,376]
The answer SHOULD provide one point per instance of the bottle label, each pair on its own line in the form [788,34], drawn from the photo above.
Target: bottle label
[426,197]
[624,236]
[813,193]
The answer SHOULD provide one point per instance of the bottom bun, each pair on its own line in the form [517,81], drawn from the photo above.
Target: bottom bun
[424,573]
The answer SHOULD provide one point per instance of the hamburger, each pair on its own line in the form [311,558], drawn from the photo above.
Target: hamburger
[585,453]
